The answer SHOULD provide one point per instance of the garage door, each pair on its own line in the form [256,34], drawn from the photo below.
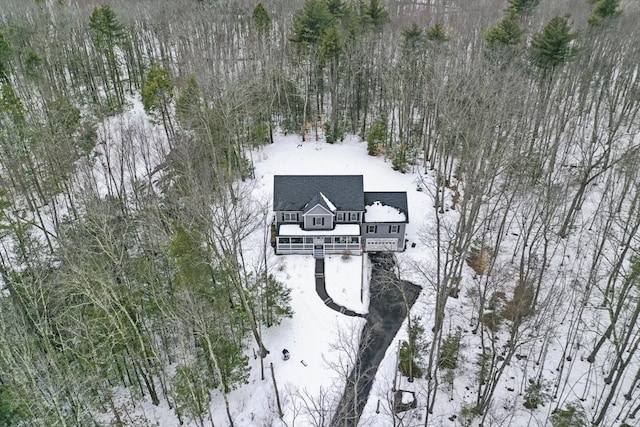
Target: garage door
[378,244]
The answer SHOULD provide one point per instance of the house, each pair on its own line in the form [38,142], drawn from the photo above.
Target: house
[332,214]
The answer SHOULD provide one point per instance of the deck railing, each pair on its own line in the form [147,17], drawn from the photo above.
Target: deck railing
[329,248]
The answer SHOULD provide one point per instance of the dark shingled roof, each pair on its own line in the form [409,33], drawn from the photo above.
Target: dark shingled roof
[397,199]
[317,200]
[293,192]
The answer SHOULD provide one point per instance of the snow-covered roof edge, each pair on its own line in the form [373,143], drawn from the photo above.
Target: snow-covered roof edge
[379,212]
[330,205]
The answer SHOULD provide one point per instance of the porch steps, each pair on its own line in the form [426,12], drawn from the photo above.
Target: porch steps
[318,253]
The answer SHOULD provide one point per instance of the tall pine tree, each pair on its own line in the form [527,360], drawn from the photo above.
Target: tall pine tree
[551,47]
[604,10]
[107,33]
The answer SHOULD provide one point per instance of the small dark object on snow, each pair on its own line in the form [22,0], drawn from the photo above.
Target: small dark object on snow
[401,403]
[413,245]
[285,354]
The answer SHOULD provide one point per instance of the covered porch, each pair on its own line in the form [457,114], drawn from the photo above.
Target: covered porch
[292,239]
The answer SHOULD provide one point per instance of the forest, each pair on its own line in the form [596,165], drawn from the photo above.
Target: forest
[123,266]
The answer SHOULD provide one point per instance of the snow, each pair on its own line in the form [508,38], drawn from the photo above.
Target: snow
[331,206]
[324,339]
[129,149]
[339,230]
[344,281]
[378,212]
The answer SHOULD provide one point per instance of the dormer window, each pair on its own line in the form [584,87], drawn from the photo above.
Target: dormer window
[340,217]
[290,217]
[353,216]
[318,220]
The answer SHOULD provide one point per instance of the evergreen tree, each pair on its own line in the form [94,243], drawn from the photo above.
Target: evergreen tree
[310,23]
[157,89]
[189,106]
[571,416]
[261,18]
[374,15]
[522,6]
[551,47]
[32,63]
[412,40]
[603,10]
[337,8]
[437,33]
[505,35]
[11,104]
[5,53]
[377,136]
[10,412]
[107,33]
[331,48]
[157,94]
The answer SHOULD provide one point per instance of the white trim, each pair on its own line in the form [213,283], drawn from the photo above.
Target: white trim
[339,230]
[284,216]
[328,213]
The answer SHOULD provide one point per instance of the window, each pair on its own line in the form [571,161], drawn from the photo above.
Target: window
[290,217]
[353,216]
[340,217]
[283,239]
[394,229]
[372,229]
[318,220]
[348,239]
[296,240]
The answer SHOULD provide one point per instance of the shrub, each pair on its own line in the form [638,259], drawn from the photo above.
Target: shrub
[410,350]
[467,414]
[521,306]
[408,365]
[478,259]
[571,416]
[536,394]
[399,161]
[376,137]
[449,351]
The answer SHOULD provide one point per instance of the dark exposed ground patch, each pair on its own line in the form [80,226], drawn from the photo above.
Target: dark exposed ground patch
[390,299]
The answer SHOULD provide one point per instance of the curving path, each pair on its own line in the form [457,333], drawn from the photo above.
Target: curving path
[321,289]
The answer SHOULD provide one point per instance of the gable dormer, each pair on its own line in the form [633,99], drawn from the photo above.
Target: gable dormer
[318,213]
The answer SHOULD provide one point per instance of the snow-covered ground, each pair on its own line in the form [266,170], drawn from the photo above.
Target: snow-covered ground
[322,342]
[316,336]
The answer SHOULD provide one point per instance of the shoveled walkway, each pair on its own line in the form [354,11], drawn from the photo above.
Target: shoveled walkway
[321,289]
